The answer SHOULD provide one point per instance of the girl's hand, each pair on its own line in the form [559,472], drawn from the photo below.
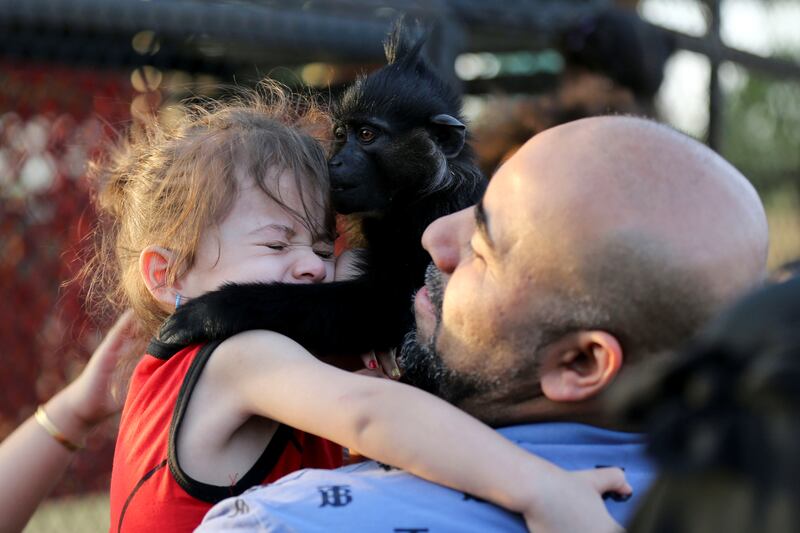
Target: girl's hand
[572,501]
[376,364]
[380,364]
[89,395]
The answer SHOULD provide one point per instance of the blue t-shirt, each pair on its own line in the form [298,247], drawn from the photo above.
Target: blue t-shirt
[369,497]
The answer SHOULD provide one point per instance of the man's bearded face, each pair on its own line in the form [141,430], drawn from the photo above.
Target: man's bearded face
[422,365]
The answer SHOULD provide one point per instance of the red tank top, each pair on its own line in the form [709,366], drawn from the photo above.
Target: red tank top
[149,491]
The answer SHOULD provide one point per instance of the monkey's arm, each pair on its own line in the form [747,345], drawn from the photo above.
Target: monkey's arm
[342,317]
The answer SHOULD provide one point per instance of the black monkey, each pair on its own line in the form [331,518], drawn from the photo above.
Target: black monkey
[399,162]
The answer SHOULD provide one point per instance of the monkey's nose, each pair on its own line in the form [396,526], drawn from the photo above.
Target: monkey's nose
[335,162]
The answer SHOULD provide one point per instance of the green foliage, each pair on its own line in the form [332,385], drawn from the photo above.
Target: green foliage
[762,139]
[762,132]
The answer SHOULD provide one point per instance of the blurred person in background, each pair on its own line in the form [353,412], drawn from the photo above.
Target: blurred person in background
[614,64]
[507,122]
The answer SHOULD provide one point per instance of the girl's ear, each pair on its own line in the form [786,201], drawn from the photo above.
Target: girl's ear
[153,264]
[580,366]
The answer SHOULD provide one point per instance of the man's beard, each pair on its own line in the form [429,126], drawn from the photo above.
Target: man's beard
[424,368]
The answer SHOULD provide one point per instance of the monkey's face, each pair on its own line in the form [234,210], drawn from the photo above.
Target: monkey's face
[358,183]
[375,166]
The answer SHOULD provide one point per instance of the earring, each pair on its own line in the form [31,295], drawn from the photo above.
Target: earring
[178,298]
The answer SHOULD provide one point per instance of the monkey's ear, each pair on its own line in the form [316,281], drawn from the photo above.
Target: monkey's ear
[450,133]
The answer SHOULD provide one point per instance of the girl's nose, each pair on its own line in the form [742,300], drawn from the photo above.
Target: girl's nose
[309,267]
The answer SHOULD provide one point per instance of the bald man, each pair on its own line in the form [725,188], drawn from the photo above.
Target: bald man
[601,245]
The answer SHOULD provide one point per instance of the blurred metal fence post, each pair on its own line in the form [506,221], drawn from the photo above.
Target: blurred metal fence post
[715,97]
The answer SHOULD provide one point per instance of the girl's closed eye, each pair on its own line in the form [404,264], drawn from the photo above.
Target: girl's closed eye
[278,246]
[324,252]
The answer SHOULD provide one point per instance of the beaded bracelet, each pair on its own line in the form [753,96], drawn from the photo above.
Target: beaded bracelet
[44,421]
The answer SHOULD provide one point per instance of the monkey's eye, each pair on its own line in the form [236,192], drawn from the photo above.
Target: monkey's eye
[339,134]
[366,135]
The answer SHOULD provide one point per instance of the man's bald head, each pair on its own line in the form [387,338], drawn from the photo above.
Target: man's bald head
[644,229]
[630,178]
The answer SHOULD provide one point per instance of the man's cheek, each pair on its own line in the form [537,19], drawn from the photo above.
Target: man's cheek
[461,291]
[462,333]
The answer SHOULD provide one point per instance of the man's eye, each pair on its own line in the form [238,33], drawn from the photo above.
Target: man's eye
[324,254]
[277,246]
[474,253]
[366,135]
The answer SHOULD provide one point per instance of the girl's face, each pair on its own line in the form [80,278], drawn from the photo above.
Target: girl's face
[259,241]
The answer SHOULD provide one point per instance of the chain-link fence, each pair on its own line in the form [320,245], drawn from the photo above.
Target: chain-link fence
[53,118]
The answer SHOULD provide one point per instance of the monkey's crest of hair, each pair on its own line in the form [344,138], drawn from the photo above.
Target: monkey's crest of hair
[399,47]
[396,87]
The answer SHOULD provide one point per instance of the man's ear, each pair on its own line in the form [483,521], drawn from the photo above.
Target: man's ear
[580,366]
[153,264]
[449,133]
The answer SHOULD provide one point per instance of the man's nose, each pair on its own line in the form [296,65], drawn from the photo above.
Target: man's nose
[309,267]
[446,237]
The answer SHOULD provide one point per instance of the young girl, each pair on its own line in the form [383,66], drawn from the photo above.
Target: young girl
[239,194]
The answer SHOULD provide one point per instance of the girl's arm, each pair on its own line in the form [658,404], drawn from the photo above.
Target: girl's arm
[267,374]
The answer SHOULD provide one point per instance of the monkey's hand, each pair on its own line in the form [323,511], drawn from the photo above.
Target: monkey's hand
[343,317]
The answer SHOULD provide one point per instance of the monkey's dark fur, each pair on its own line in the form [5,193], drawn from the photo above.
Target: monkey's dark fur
[399,162]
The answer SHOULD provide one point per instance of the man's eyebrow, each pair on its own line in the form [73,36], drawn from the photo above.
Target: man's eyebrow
[482,223]
[286,230]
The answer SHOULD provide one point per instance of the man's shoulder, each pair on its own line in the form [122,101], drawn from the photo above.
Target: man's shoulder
[362,497]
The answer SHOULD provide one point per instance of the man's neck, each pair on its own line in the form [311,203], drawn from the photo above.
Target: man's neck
[541,409]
